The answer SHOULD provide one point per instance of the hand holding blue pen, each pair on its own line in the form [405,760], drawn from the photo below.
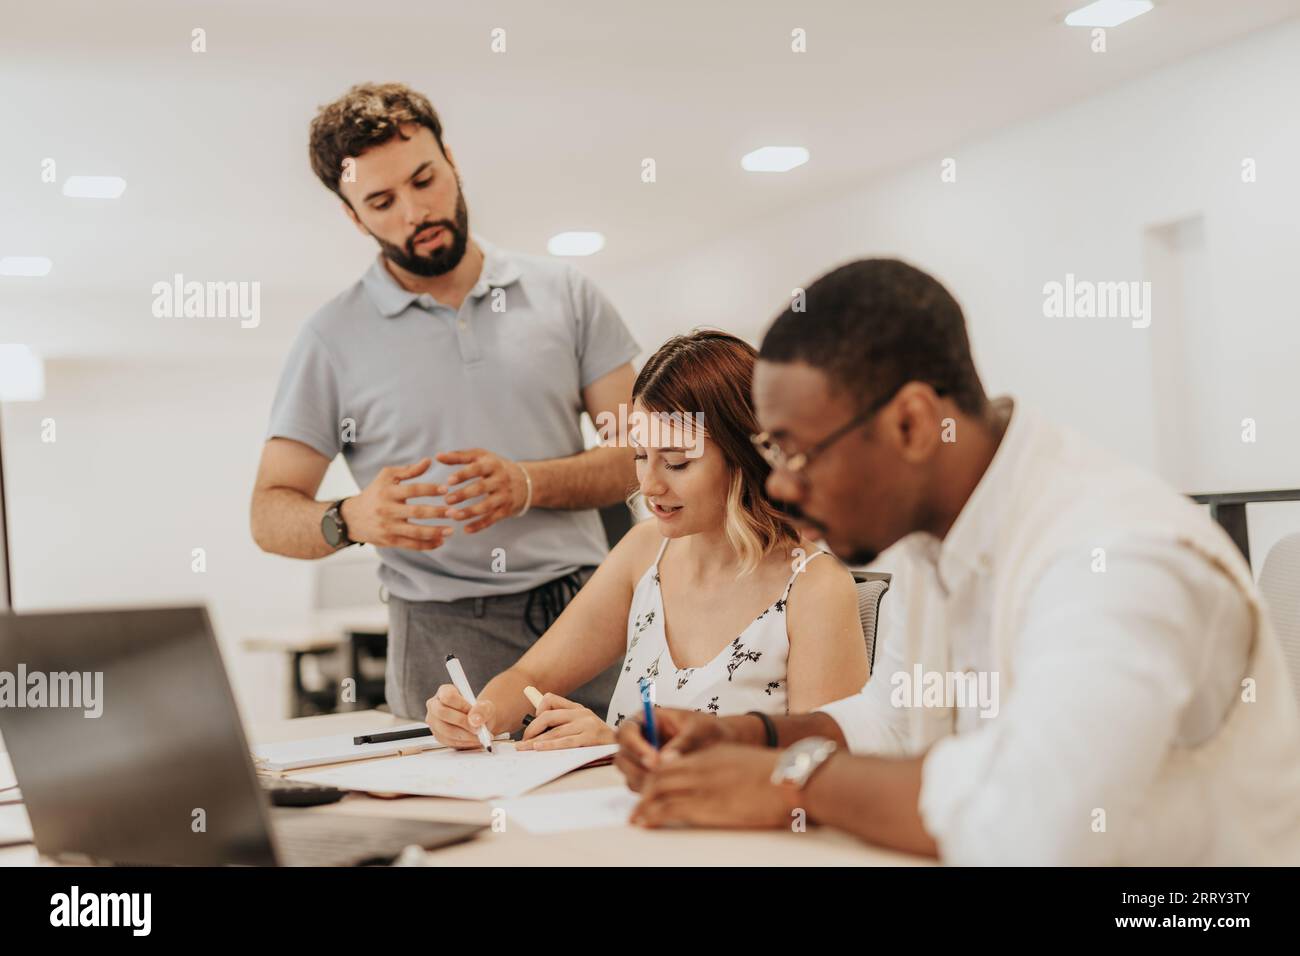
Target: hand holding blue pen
[647,701]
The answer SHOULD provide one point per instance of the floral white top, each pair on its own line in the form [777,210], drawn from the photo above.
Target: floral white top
[748,674]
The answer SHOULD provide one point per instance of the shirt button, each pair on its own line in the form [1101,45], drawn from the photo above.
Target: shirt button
[461,324]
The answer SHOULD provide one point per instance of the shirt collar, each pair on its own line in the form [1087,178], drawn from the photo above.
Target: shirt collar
[968,547]
[499,269]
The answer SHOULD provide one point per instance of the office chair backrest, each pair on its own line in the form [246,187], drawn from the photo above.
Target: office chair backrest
[617,520]
[871,589]
[1280,583]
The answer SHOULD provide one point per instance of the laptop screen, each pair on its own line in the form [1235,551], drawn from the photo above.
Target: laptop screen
[125,738]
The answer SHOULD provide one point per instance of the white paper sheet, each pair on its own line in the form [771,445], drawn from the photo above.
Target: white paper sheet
[15,829]
[336,748]
[469,775]
[571,810]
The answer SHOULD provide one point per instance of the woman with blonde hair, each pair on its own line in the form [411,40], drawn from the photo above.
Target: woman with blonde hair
[716,601]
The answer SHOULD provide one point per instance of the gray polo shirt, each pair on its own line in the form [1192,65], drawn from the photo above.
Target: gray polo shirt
[388,377]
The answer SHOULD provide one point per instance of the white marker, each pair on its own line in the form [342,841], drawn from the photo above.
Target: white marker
[458,678]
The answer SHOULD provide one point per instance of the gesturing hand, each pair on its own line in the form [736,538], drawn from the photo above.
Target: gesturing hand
[379,515]
[497,482]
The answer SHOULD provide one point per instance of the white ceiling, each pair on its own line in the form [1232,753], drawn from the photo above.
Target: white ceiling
[549,135]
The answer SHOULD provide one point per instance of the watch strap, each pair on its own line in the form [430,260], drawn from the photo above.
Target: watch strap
[336,511]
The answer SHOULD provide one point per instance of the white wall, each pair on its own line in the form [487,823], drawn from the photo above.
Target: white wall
[152,459]
[155,458]
[1076,192]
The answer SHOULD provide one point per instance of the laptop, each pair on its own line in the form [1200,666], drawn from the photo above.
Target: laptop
[128,748]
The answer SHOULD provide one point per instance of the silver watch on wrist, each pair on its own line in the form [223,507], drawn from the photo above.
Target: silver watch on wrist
[799,762]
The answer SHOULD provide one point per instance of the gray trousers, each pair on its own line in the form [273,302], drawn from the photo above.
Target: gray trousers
[487,634]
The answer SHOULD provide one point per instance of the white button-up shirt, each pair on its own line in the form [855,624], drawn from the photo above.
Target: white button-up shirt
[1123,652]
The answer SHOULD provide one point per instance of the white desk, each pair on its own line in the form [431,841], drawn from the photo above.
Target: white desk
[621,846]
[626,845]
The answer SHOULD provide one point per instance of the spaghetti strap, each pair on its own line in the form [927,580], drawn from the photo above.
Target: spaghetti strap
[802,565]
[746,673]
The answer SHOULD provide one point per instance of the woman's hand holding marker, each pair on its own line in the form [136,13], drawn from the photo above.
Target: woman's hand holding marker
[560,724]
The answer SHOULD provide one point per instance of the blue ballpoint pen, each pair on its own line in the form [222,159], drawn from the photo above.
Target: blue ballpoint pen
[649,731]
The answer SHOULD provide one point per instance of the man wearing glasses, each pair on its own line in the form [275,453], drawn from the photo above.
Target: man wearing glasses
[1079,669]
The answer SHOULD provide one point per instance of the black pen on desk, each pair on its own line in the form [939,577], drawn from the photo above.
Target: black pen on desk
[388,735]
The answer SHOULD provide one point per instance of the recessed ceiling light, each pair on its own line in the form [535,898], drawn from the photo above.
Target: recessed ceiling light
[22,374]
[575,243]
[1108,13]
[94,187]
[25,266]
[774,159]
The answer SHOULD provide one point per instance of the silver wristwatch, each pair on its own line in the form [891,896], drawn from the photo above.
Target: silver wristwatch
[798,763]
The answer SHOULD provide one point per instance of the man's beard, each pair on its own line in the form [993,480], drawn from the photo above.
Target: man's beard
[442,259]
[856,559]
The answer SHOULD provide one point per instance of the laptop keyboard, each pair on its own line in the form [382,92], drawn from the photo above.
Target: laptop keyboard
[336,839]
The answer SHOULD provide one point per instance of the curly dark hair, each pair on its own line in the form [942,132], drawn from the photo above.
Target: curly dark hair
[367,115]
